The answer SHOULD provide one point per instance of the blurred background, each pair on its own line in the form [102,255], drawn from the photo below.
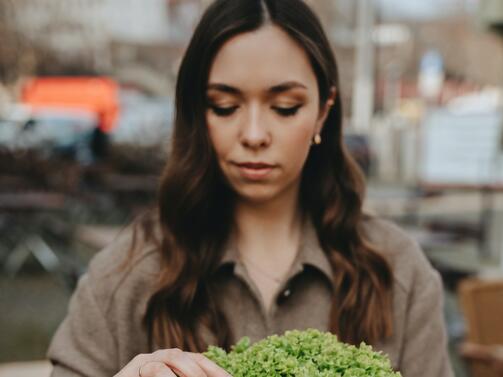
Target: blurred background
[86,106]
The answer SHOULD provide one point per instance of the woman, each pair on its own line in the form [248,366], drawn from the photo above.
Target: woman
[259,227]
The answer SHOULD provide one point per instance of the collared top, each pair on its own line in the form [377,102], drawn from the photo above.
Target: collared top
[103,329]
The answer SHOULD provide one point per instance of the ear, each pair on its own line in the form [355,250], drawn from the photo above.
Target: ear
[325,109]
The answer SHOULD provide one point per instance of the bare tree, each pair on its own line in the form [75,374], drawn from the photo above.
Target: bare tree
[17,55]
[48,37]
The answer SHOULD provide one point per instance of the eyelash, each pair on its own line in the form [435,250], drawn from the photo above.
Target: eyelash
[227,111]
[223,111]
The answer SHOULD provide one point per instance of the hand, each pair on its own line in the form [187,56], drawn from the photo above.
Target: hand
[171,363]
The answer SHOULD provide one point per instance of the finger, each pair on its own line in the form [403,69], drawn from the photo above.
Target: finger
[211,368]
[155,369]
[179,361]
[166,373]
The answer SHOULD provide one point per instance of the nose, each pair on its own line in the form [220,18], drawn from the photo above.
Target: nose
[254,133]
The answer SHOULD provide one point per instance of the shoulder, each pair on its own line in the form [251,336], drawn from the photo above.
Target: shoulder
[419,343]
[103,327]
[127,266]
[406,258]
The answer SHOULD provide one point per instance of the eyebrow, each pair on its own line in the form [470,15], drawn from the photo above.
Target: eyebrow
[280,88]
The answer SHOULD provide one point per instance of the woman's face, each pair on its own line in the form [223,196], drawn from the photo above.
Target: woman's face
[263,111]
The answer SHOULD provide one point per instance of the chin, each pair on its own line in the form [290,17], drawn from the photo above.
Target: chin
[256,195]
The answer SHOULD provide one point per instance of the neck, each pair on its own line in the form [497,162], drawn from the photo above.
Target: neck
[270,227]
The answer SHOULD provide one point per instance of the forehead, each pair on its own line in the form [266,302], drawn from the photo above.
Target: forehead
[262,58]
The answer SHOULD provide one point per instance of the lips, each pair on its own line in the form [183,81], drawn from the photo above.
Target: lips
[255,165]
[255,171]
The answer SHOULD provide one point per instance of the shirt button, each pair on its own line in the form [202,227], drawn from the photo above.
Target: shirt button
[287,293]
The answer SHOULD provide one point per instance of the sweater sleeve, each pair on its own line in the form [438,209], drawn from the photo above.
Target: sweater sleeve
[83,345]
[425,349]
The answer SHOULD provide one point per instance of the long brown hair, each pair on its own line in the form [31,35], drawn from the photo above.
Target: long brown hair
[195,205]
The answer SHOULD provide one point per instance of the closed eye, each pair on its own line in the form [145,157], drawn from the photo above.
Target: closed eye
[287,111]
[223,111]
[227,111]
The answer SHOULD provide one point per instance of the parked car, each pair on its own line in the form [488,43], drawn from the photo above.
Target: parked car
[51,132]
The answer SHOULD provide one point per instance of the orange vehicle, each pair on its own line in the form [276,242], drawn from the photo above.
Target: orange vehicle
[96,95]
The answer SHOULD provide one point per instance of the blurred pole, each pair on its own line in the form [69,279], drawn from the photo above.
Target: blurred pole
[363,91]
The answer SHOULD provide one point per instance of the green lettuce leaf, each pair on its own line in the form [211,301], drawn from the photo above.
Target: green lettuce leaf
[309,353]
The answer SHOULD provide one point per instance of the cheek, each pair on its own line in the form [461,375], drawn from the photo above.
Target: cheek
[220,137]
[296,141]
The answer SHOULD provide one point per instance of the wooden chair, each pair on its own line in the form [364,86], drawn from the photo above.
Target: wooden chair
[482,304]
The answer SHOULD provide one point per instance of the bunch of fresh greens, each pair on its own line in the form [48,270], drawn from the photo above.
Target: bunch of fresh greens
[309,353]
